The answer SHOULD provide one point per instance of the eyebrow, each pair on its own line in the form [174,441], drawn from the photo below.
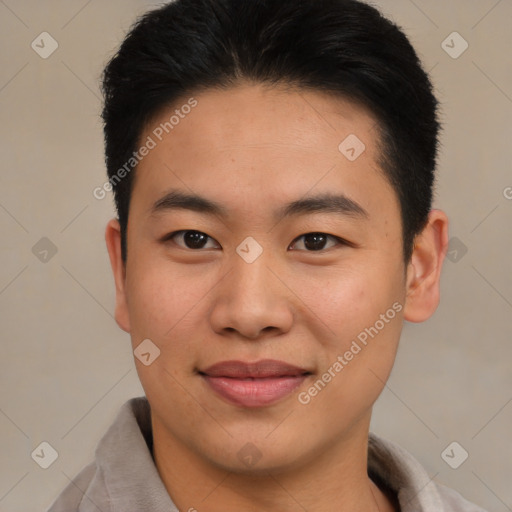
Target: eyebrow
[323,203]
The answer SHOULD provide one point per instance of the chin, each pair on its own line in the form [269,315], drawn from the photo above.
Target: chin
[250,455]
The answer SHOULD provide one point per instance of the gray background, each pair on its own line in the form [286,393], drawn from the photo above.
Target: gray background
[66,367]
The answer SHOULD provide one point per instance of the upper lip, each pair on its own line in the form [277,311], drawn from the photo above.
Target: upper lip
[264,368]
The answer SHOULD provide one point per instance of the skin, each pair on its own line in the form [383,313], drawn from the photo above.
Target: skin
[253,149]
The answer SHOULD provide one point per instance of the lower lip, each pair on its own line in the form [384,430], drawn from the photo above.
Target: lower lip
[254,392]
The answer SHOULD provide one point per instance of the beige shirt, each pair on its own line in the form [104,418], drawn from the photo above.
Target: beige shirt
[124,478]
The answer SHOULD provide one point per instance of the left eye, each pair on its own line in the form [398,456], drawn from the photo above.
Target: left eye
[317,241]
[191,239]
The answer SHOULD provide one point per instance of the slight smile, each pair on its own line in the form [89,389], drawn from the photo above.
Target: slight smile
[253,384]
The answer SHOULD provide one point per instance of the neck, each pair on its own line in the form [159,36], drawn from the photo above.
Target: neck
[333,480]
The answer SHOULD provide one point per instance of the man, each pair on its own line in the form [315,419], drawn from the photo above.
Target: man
[272,163]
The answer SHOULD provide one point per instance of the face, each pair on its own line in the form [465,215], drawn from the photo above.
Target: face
[276,297]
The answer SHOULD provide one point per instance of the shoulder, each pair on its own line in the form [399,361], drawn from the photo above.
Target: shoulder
[454,502]
[122,469]
[75,495]
[395,468]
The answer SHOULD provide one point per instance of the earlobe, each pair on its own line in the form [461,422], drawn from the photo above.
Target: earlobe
[113,241]
[424,270]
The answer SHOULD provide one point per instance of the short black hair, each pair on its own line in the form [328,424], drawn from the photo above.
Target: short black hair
[346,47]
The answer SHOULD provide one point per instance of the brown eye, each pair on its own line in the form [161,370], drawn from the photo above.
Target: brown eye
[314,242]
[191,239]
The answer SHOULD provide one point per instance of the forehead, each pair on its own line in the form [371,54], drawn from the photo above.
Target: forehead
[265,143]
[251,115]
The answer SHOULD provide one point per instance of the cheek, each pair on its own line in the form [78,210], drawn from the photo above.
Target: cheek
[162,303]
[345,300]
[358,363]
[161,298]
[362,310]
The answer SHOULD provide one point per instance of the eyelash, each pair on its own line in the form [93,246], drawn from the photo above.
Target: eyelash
[340,241]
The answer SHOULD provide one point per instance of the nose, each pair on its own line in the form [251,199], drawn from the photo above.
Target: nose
[251,301]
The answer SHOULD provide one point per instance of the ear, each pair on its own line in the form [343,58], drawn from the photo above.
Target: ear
[424,268]
[113,240]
